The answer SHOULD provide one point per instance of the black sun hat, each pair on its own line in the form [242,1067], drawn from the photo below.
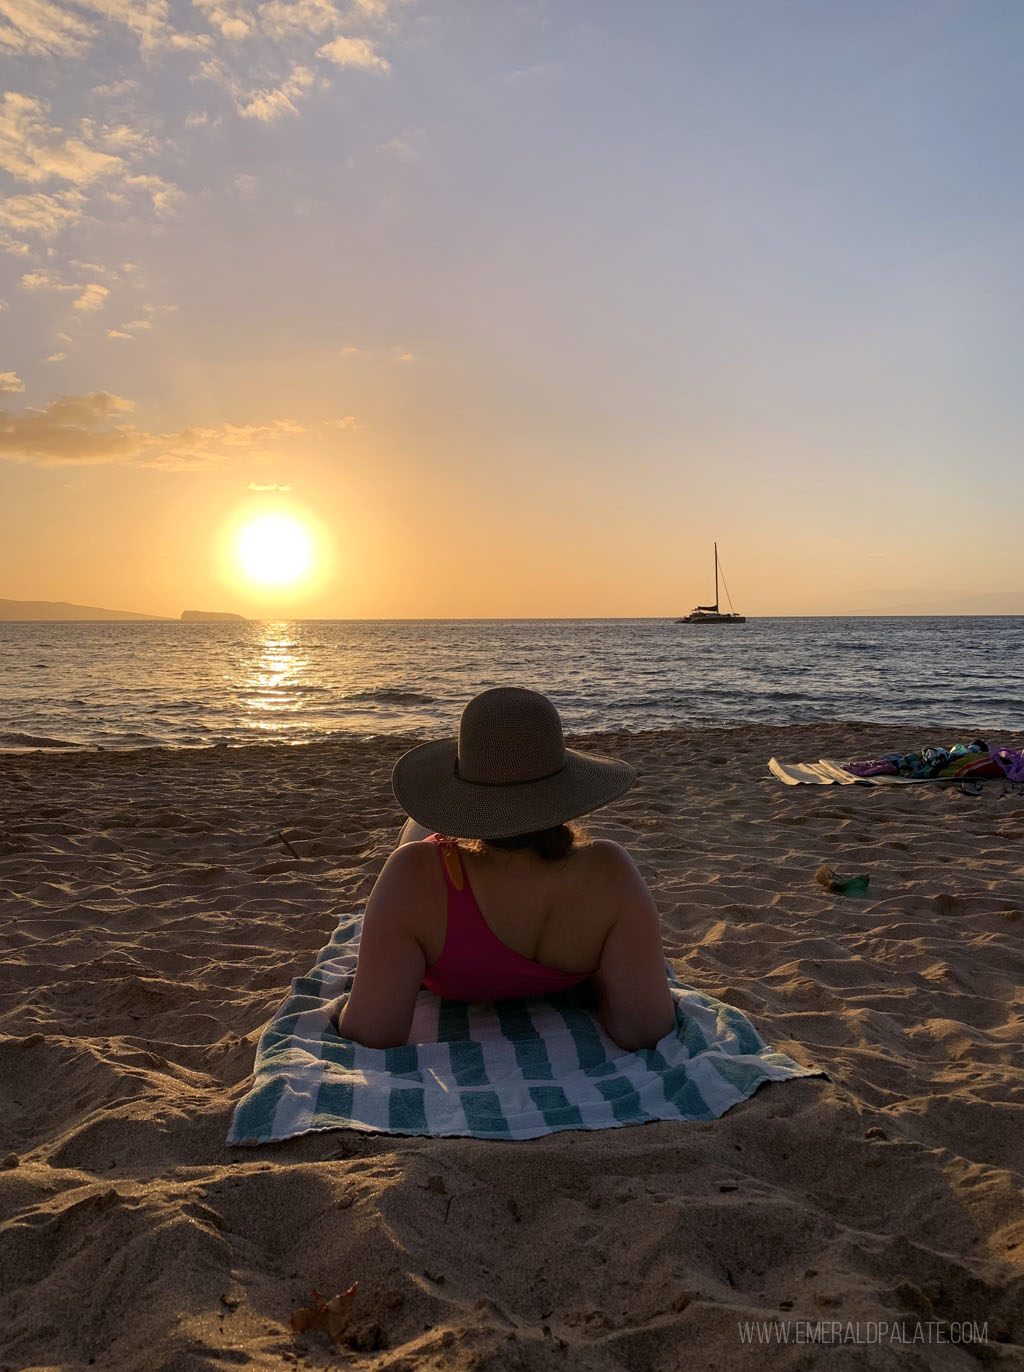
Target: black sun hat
[508,772]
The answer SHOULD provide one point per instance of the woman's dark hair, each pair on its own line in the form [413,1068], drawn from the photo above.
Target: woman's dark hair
[550,844]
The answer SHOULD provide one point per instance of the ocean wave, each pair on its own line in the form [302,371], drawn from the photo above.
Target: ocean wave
[16,740]
[284,691]
[386,697]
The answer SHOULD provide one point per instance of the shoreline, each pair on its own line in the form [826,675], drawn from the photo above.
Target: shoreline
[855,729]
[152,918]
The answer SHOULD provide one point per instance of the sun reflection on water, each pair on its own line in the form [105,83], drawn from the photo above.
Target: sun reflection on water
[274,686]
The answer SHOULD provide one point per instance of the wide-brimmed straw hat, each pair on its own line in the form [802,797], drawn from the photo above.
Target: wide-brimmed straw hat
[508,772]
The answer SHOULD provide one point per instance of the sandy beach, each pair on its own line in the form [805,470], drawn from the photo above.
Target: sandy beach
[153,913]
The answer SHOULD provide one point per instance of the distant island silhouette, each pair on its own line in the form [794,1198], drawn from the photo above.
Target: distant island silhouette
[12,611]
[206,615]
[62,609]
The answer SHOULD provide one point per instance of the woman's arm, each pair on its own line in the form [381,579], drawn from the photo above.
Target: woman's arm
[636,1004]
[391,959]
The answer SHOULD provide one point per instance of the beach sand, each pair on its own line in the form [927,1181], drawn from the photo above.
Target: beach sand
[151,919]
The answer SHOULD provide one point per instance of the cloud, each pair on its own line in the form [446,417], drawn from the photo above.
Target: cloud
[47,28]
[267,56]
[148,20]
[270,104]
[44,281]
[93,157]
[34,150]
[150,313]
[195,449]
[93,297]
[45,215]
[283,18]
[533,73]
[353,52]
[376,9]
[401,147]
[42,28]
[56,357]
[10,381]
[50,28]
[270,486]
[77,430]
[395,353]
[163,194]
[65,432]
[231,20]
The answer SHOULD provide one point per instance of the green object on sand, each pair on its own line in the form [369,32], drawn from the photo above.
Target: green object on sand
[841,886]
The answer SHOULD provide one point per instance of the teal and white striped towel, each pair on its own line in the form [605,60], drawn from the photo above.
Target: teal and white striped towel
[515,1069]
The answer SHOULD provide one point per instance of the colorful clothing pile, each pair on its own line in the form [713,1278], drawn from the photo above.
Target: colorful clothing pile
[976,759]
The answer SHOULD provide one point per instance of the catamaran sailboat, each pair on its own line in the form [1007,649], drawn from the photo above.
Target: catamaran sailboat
[710,614]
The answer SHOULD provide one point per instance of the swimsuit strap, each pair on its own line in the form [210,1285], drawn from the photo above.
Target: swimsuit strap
[474,964]
[451,863]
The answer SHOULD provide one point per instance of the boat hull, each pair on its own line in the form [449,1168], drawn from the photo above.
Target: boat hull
[713,619]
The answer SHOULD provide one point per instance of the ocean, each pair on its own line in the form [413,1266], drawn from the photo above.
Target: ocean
[135,684]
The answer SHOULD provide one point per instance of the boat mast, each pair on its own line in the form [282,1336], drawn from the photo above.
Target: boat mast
[716,577]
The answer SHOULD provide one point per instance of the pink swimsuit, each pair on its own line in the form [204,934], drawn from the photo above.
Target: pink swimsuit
[474,963]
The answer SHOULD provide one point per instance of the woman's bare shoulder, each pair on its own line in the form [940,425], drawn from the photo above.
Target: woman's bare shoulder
[411,872]
[605,856]
[415,856]
[615,879]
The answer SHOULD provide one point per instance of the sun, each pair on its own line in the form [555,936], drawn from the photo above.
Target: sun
[274,550]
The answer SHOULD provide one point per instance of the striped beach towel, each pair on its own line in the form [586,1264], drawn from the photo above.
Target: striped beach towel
[514,1069]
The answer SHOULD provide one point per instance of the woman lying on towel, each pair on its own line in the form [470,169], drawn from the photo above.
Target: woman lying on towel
[491,893]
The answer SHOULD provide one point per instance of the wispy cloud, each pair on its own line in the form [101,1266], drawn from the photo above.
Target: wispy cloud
[396,353]
[11,381]
[39,214]
[82,430]
[271,103]
[88,157]
[268,486]
[47,28]
[56,357]
[232,20]
[34,150]
[42,28]
[45,281]
[403,146]
[285,18]
[50,28]
[164,195]
[65,431]
[354,52]
[93,297]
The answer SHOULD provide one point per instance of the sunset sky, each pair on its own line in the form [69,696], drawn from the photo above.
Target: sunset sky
[513,307]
